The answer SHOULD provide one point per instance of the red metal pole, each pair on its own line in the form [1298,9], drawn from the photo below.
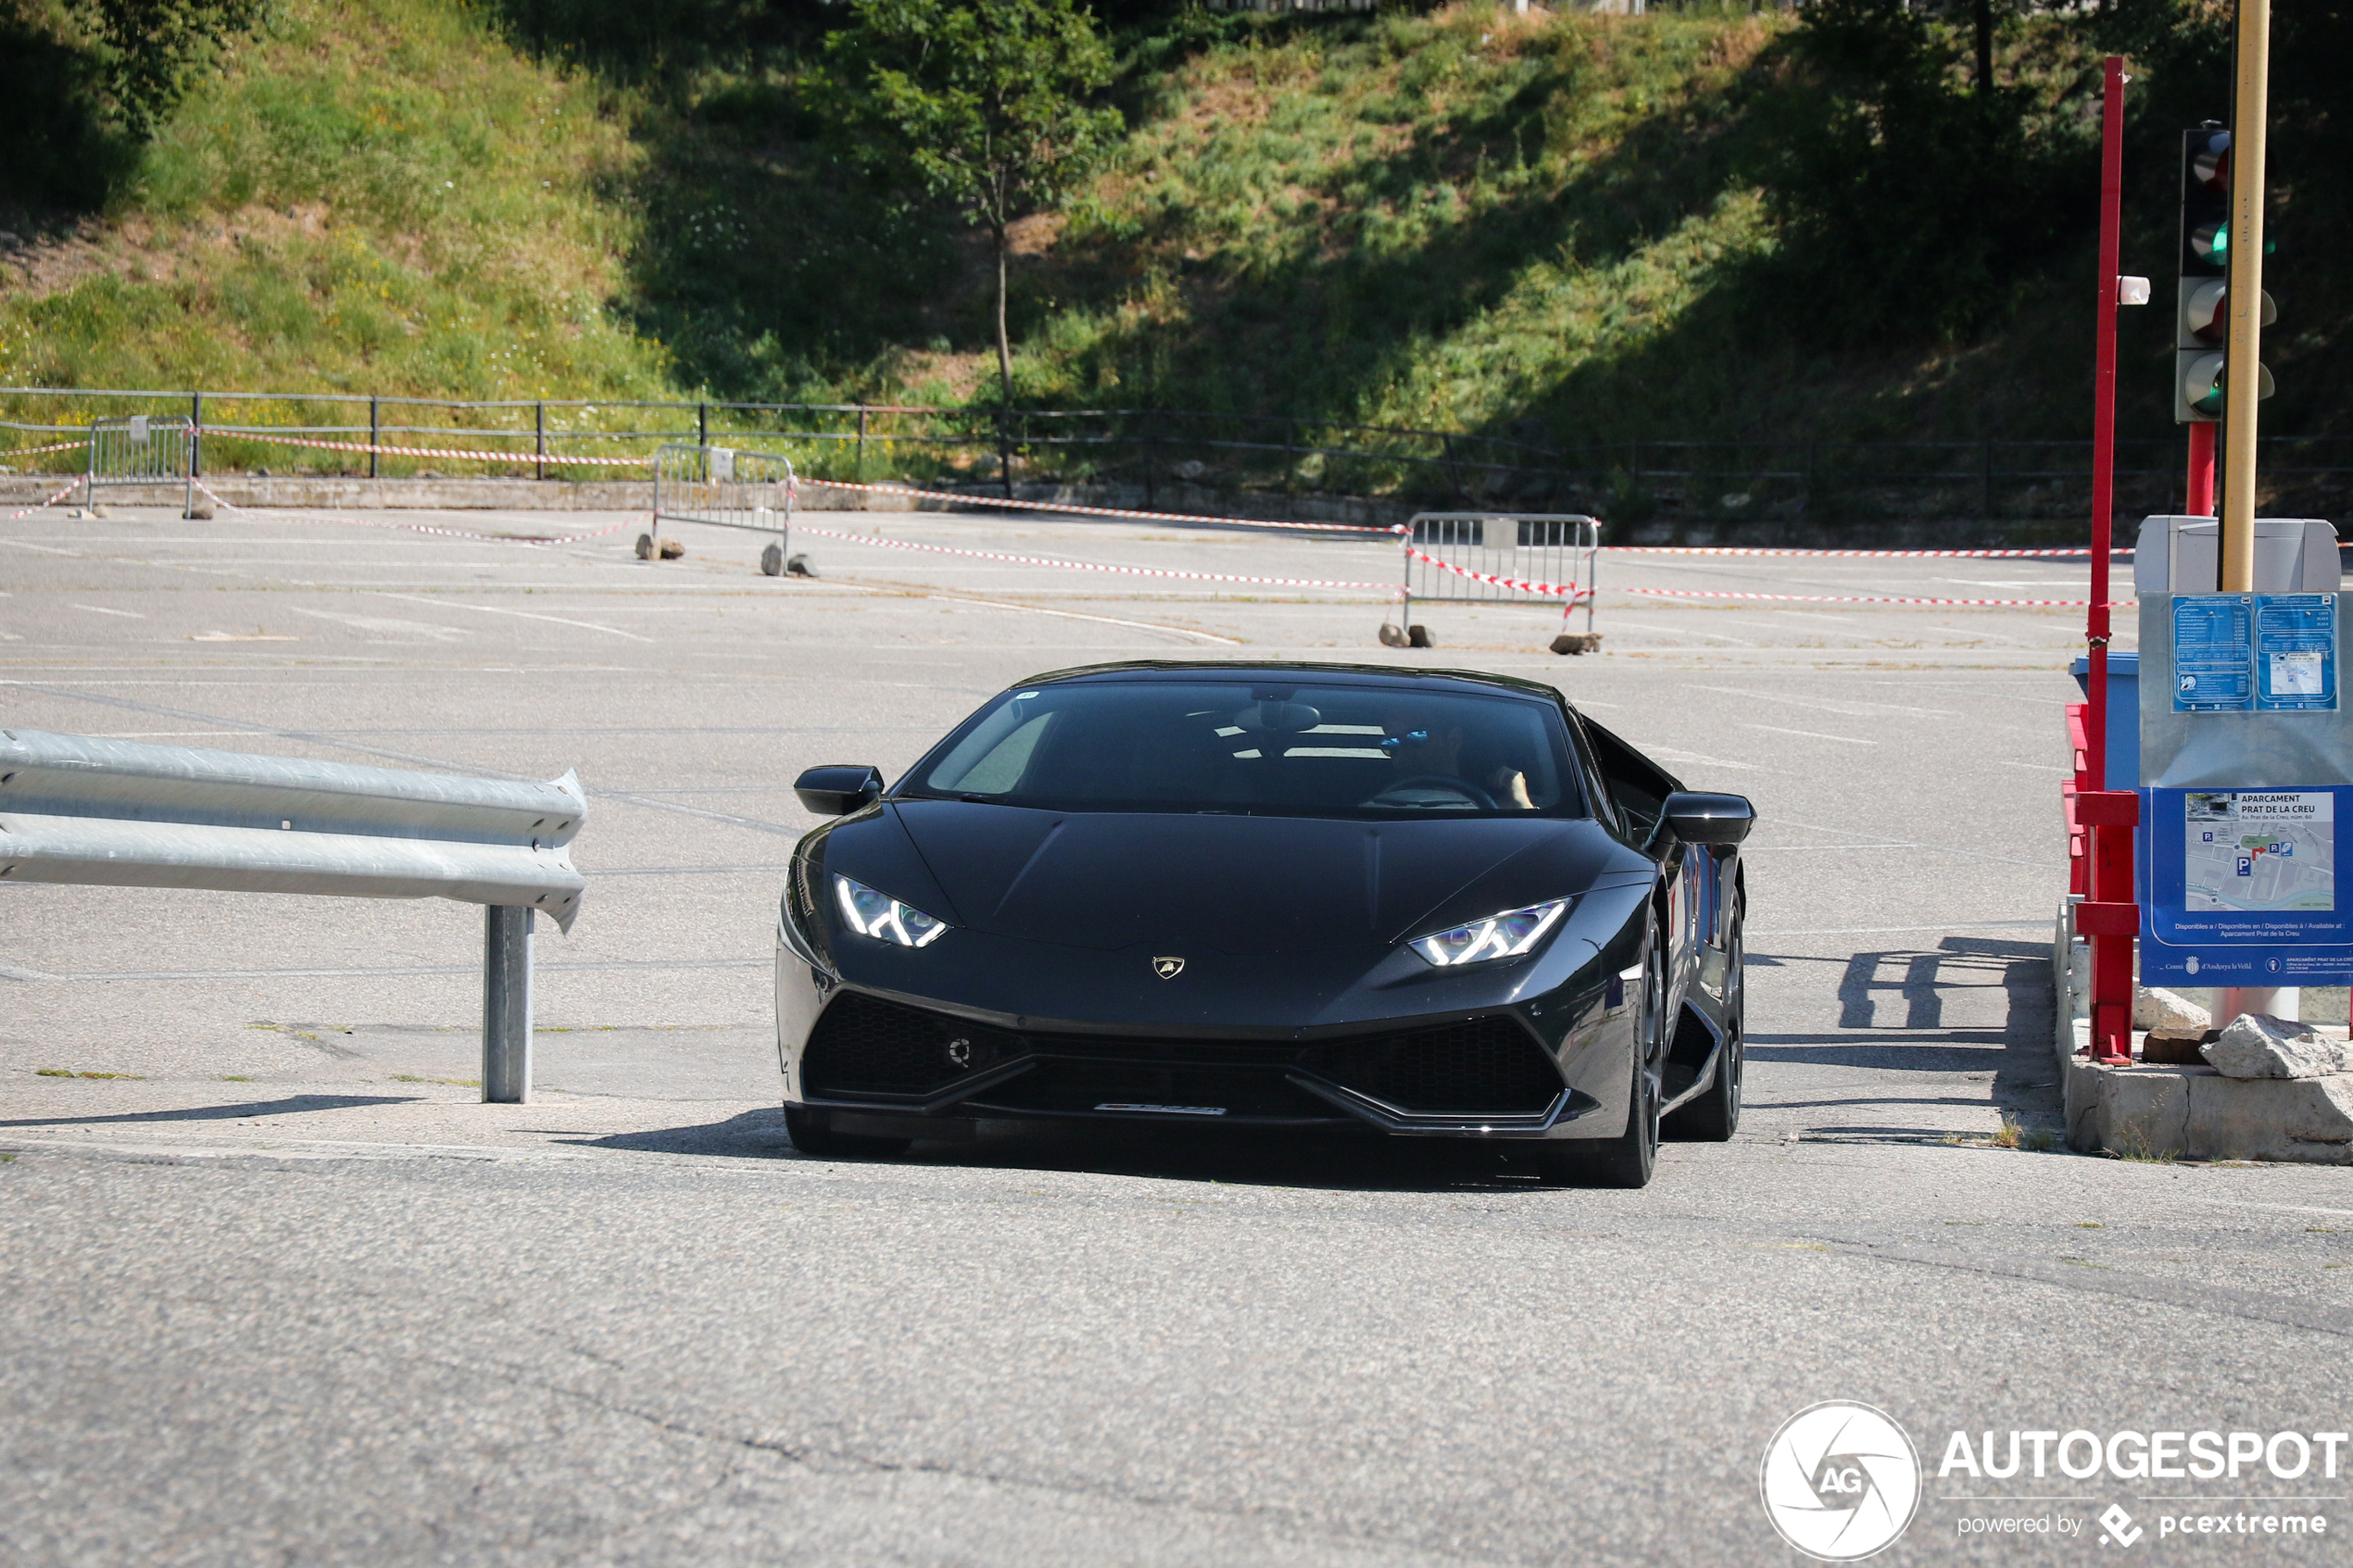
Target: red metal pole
[2104,406]
[2110,916]
[2200,502]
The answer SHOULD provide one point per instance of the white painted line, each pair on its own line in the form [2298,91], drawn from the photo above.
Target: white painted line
[1900,930]
[2038,767]
[524,614]
[101,610]
[1851,710]
[1809,734]
[1106,619]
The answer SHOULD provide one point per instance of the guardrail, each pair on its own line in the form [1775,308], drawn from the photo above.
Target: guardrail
[87,811]
[1161,452]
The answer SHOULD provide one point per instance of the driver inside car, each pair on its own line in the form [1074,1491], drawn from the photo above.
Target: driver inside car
[1420,749]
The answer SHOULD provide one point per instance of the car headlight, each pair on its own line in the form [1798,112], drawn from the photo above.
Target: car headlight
[884,918]
[1506,935]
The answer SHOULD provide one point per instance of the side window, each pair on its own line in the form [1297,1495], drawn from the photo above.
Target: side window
[1596,788]
[1638,788]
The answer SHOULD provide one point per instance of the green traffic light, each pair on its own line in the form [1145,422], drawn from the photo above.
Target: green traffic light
[2211,241]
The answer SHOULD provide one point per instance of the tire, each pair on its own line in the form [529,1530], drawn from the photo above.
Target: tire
[771,561]
[1628,1159]
[812,1133]
[1716,1115]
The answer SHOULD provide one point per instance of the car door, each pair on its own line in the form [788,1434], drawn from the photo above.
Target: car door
[1638,789]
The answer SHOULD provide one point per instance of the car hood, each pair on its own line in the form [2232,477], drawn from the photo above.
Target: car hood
[1243,885]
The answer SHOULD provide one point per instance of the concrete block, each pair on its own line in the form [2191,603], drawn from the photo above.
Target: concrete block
[2195,1113]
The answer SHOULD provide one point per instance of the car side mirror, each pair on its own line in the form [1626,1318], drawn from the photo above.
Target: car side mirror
[838,790]
[1697,817]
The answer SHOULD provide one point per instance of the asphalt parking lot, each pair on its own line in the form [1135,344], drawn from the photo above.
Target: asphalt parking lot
[282,1291]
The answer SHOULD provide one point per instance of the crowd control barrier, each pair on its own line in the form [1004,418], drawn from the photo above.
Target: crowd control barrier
[83,809]
[1507,558]
[722,487]
[141,453]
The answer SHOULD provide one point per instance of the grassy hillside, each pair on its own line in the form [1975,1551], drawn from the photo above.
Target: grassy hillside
[1554,226]
[377,196]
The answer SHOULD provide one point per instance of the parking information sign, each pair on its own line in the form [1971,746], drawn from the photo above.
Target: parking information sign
[2242,653]
[2242,887]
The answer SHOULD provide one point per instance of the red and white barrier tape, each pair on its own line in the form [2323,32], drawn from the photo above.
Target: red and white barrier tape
[53,447]
[519,458]
[1078,510]
[63,492]
[424,527]
[1861,599]
[1748,550]
[1571,591]
[1389,588]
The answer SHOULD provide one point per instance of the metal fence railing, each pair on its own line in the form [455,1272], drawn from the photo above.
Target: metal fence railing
[1179,459]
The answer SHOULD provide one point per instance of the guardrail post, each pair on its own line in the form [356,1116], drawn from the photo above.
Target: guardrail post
[702,424]
[540,430]
[195,437]
[1005,453]
[505,1004]
[861,443]
[375,433]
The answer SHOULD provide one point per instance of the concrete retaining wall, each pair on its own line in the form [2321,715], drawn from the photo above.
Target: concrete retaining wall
[636,494]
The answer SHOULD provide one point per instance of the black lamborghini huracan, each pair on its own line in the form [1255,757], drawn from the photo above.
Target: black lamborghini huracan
[1434,904]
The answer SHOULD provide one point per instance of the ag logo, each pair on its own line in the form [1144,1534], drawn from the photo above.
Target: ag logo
[1168,969]
[1841,1481]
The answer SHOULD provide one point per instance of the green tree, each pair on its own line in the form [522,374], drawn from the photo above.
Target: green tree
[982,102]
[155,47]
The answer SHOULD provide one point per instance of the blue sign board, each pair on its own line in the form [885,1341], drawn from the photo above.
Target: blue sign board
[2239,887]
[2247,653]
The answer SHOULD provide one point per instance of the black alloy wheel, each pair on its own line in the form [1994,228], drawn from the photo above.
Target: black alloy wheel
[1715,1114]
[812,1133]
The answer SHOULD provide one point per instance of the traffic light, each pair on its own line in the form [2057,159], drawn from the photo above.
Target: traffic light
[2201,314]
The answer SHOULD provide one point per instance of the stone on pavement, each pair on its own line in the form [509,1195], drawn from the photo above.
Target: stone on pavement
[2256,1045]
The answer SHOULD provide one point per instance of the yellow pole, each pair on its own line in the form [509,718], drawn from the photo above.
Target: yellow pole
[2242,365]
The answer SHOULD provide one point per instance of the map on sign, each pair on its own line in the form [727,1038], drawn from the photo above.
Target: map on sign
[2256,850]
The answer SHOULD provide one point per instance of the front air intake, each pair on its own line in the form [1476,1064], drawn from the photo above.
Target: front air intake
[1490,1065]
[866,1045]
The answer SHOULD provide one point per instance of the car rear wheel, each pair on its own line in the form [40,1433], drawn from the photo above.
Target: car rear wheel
[1715,1114]
[812,1133]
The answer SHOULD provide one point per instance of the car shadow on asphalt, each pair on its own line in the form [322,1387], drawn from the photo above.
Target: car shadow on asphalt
[1343,1161]
[294,1105]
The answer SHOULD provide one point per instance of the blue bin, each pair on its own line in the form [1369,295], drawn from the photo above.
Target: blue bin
[2123,714]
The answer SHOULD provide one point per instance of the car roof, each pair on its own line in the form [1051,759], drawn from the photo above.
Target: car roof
[1338,674]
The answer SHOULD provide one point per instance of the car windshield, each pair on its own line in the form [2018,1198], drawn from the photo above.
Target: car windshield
[1259,747]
